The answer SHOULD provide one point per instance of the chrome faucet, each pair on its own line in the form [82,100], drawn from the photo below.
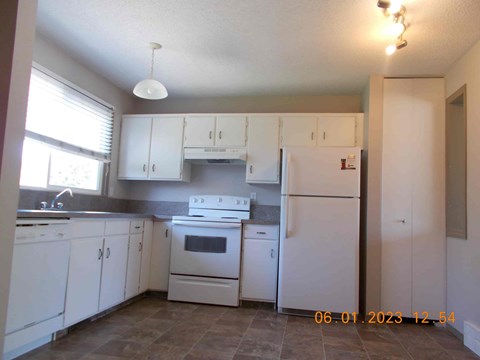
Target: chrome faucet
[60,205]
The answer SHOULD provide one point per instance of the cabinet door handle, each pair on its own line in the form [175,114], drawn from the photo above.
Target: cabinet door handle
[272,253]
[220,134]
[153,167]
[140,246]
[210,135]
[311,135]
[108,253]
[144,167]
[324,135]
[137,227]
[166,233]
[251,169]
[403,221]
[261,233]
[100,254]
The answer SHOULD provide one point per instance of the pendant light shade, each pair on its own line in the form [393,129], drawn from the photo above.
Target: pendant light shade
[149,88]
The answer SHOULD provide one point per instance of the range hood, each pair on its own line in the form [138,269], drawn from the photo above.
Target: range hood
[215,156]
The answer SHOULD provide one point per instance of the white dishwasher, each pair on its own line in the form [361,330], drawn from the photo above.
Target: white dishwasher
[38,282]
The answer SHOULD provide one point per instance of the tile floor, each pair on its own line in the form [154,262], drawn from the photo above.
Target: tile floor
[153,328]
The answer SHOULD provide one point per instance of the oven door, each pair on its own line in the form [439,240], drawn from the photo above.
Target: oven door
[206,249]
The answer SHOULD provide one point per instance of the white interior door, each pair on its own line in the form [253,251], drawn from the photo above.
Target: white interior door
[299,130]
[134,147]
[428,194]
[231,130]
[319,254]
[166,154]
[114,269]
[199,131]
[336,130]
[396,274]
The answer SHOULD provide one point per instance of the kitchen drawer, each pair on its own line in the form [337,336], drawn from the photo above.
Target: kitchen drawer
[136,226]
[88,228]
[254,231]
[117,227]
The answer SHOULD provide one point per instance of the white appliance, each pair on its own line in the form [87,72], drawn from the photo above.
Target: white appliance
[216,155]
[38,283]
[319,230]
[206,248]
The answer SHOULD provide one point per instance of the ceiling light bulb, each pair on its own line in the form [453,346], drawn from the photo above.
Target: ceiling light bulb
[397,29]
[395,6]
[390,49]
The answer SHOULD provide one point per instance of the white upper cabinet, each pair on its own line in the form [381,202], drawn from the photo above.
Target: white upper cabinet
[263,153]
[230,130]
[135,148]
[212,130]
[151,148]
[336,130]
[199,130]
[298,130]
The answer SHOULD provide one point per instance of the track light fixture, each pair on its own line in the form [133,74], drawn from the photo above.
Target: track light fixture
[395,9]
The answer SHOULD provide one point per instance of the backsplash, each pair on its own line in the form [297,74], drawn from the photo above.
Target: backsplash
[31,199]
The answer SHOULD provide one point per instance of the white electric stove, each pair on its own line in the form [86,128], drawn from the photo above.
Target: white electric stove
[206,249]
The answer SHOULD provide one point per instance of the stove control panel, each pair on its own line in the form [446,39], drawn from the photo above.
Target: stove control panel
[220,202]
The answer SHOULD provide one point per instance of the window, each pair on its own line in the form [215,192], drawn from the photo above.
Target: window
[68,136]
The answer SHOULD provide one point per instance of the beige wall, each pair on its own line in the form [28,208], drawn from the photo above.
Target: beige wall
[56,60]
[16,42]
[252,104]
[372,186]
[463,256]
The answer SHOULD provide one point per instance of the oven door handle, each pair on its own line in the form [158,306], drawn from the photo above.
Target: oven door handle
[207,224]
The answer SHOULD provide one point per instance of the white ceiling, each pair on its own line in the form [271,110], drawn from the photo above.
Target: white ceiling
[257,47]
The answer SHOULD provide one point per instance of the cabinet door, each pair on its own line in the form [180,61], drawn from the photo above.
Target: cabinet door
[160,259]
[230,130]
[199,131]
[166,153]
[83,286]
[134,148]
[259,269]
[134,265]
[146,255]
[299,130]
[263,149]
[396,250]
[114,269]
[336,130]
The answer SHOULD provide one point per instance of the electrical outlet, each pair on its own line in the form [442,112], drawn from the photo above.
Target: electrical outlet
[253,196]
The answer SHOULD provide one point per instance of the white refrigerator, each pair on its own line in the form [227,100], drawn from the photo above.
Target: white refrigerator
[319,229]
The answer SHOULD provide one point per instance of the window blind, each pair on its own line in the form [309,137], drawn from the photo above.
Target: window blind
[63,117]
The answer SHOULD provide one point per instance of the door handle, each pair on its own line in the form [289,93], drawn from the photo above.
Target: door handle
[210,135]
[220,134]
[140,246]
[311,136]
[403,221]
[108,253]
[251,169]
[324,135]
[153,167]
[100,254]
[166,233]
[144,167]
[272,253]
[261,233]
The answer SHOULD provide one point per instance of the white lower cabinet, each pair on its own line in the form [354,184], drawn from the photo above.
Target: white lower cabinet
[260,262]
[146,255]
[115,252]
[134,265]
[160,255]
[83,284]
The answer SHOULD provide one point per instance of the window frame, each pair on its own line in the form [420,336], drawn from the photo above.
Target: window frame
[104,165]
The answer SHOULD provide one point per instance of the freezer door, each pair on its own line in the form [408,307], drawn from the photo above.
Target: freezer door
[328,171]
[319,254]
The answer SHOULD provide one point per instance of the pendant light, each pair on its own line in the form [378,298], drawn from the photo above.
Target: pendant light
[149,88]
